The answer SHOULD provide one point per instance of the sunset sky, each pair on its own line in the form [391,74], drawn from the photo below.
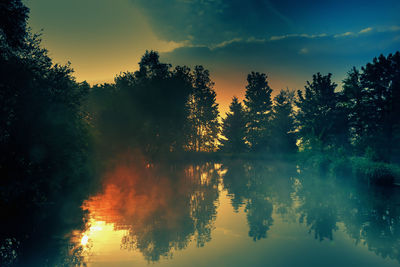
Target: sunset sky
[287,40]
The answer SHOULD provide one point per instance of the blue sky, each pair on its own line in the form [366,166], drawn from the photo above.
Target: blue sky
[288,40]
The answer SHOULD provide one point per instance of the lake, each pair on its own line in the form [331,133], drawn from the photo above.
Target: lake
[228,213]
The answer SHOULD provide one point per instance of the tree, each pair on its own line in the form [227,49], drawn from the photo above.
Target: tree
[353,99]
[13,18]
[381,80]
[282,124]
[322,121]
[44,137]
[146,109]
[234,129]
[202,127]
[373,97]
[258,107]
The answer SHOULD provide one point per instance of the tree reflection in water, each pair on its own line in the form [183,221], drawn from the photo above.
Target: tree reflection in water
[162,207]
[370,214]
[321,201]
[259,187]
[158,209]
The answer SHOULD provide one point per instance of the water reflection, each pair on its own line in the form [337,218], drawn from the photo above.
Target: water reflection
[37,234]
[152,211]
[370,215]
[259,186]
[161,207]
[373,218]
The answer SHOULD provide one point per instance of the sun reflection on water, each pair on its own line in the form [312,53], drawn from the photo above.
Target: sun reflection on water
[84,240]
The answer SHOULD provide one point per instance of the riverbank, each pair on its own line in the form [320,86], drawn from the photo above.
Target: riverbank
[362,169]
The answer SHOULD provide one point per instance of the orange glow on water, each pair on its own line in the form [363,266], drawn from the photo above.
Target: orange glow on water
[152,209]
[84,240]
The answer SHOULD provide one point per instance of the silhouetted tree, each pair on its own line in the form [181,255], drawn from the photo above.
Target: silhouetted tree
[372,97]
[283,139]
[202,127]
[322,121]
[44,134]
[145,109]
[354,101]
[381,80]
[234,129]
[258,107]
[13,17]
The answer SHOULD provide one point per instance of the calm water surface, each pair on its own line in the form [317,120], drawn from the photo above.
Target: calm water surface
[235,213]
[238,214]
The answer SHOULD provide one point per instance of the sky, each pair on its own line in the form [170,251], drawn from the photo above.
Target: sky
[288,40]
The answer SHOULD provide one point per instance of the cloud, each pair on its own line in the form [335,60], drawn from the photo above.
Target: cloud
[366,30]
[345,34]
[208,22]
[288,49]
[212,22]
[393,28]
[298,42]
[303,35]
[226,43]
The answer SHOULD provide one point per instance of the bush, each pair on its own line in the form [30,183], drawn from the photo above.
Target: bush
[372,172]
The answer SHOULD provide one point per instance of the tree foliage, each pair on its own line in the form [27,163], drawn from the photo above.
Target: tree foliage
[322,121]
[372,97]
[234,129]
[283,138]
[13,18]
[45,141]
[258,107]
[202,126]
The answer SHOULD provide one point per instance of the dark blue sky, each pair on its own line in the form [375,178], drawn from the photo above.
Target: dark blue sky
[288,40]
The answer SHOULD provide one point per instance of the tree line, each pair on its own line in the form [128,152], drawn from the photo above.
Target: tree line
[363,118]
[157,109]
[161,109]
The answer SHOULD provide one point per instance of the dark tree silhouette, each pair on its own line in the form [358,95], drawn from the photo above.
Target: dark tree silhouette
[145,109]
[373,98]
[44,139]
[322,122]
[258,107]
[283,139]
[354,101]
[13,17]
[234,129]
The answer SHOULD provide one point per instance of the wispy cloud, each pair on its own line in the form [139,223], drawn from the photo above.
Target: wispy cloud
[303,35]
[235,40]
[345,34]
[338,35]
[366,30]
[225,43]
[220,45]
